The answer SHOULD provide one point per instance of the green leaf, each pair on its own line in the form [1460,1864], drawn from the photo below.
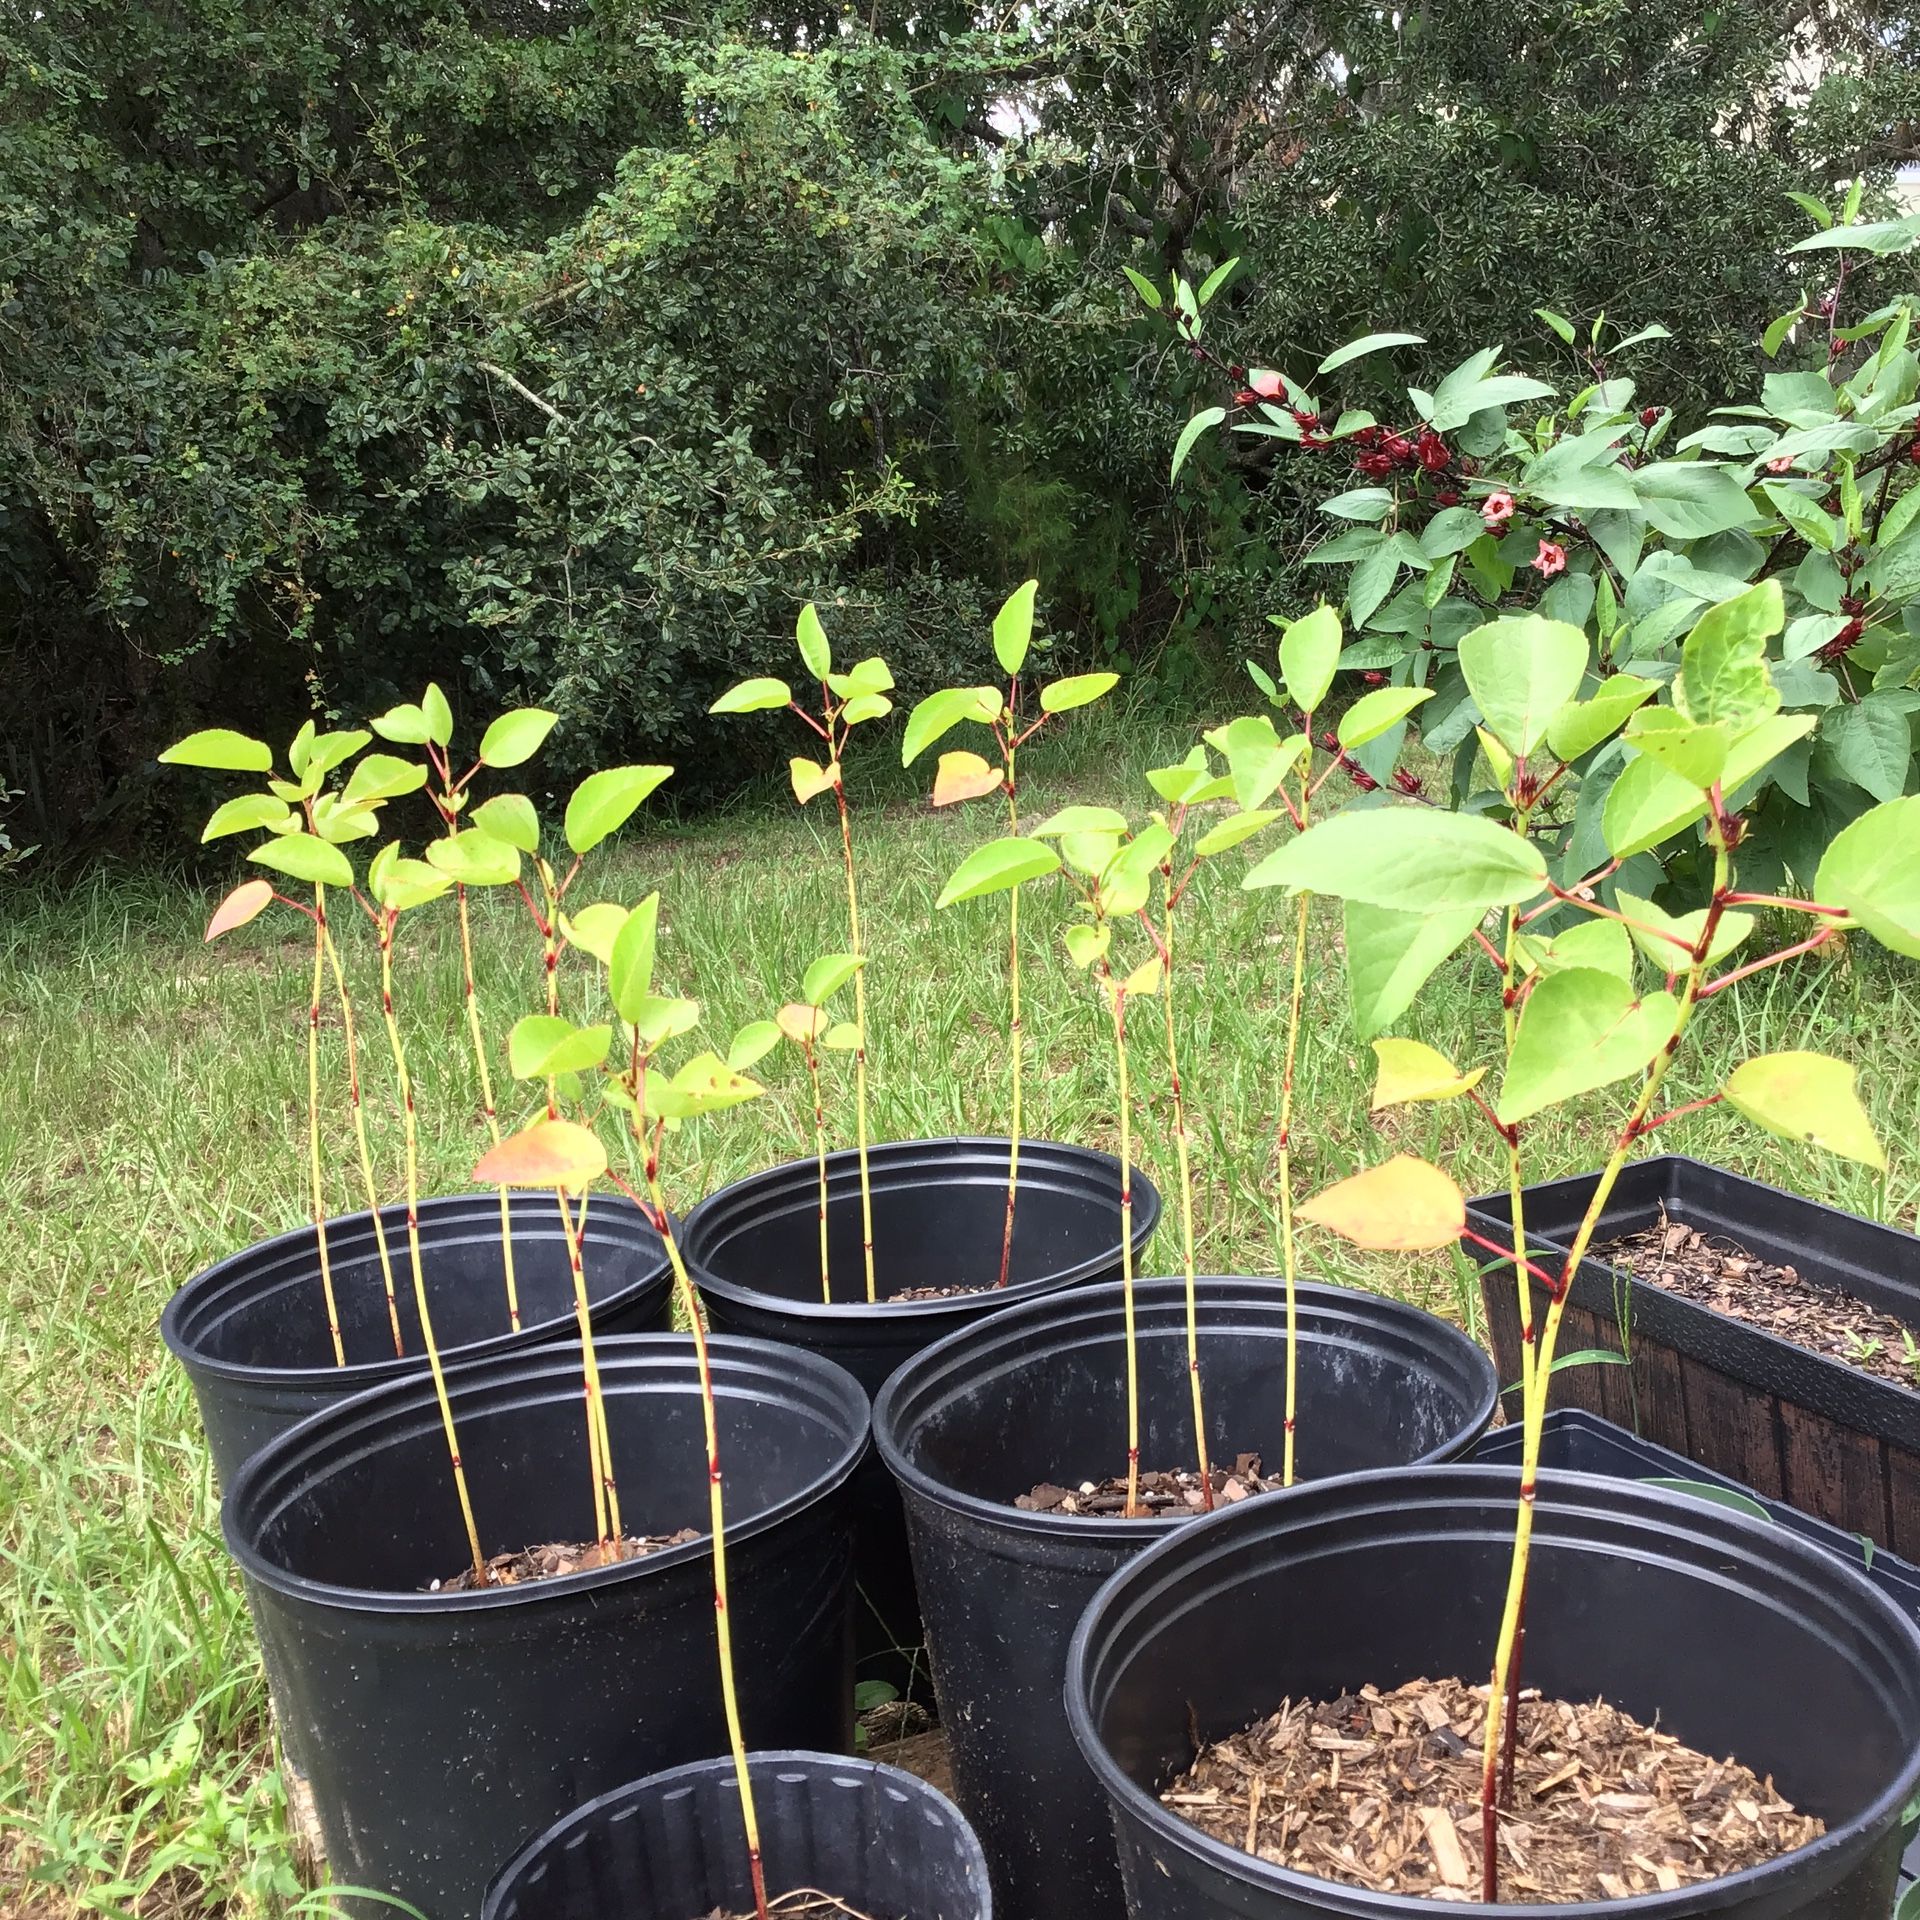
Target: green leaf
[1370,582]
[510,817]
[1232,831]
[1373,713]
[381,777]
[657,1018]
[1671,954]
[305,857]
[1803,516]
[1557,321]
[400,884]
[1456,401]
[706,1084]
[1144,288]
[939,713]
[1723,666]
[1216,280]
[1719,1496]
[811,638]
[1650,803]
[630,960]
[1690,500]
[754,696]
[1369,343]
[1806,1096]
[1872,870]
[1310,656]
[1077,690]
[827,976]
[1579,728]
[753,1042]
[1178,784]
[1870,742]
[842,1037]
[594,929]
[1258,759]
[1013,628]
[1600,944]
[1579,1030]
[336,822]
[1414,859]
[865,706]
[326,751]
[1698,754]
[603,802]
[1202,422]
[244,815]
[1080,820]
[1086,944]
[405,725]
[871,675]
[998,866]
[439,716]
[221,749]
[516,736]
[1521,673]
[476,858]
[1391,955]
[543,1045]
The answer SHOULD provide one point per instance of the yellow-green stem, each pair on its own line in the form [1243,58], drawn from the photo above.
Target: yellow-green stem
[606,1496]
[1118,995]
[358,1111]
[315,1179]
[820,1159]
[717,1520]
[1015,1038]
[1289,1259]
[1185,1156]
[1536,1410]
[860,1052]
[486,1097]
[1510,976]
[405,1083]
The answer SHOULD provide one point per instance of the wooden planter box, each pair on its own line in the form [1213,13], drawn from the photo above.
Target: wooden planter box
[1827,1438]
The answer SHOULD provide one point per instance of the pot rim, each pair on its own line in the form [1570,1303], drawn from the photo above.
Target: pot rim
[839,1392]
[1351,1302]
[1682,1515]
[359,1375]
[761,1762]
[1147,1207]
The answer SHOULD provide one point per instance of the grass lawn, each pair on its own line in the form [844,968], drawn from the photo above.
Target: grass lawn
[151,1119]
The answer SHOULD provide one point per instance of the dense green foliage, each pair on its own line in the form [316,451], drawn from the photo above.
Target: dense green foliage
[563,352]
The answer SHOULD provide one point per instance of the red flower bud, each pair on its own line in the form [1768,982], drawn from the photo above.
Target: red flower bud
[1305,421]
[1366,436]
[1433,452]
[1649,416]
[1245,397]
[1360,777]
[1407,781]
[1446,497]
[1374,677]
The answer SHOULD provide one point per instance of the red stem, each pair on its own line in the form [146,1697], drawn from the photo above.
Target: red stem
[1807,945]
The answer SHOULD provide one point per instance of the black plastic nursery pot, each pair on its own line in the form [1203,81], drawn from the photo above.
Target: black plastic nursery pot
[1739,1637]
[939,1219]
[1835,1441]
[671,1847]
[251,1330]
[439,1729]
[1038,1394]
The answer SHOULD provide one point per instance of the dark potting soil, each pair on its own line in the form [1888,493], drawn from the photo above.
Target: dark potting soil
[1160,1493]
[806,1903]
[1720,1273]
[941,1293]
[551,1561]
[1382,1791]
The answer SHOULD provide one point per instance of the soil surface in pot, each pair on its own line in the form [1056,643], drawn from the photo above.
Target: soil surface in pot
[1161,1494]
[941,1293]
[1716,1272]
[1382,1791]
[806,1903]
[550,1561]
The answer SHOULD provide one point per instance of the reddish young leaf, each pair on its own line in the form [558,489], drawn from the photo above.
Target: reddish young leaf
[1403,1205]
[550,1153]
[247,899]
[963,776]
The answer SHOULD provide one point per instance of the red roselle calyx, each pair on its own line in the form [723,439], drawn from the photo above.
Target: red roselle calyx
[1434,453]
[1408,782]
[1446,497]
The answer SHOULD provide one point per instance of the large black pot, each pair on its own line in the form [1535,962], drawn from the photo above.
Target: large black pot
[251,1330]
[439,1729]
[672,1847]
[1738,1637]
[939,1218]
[1039,1394]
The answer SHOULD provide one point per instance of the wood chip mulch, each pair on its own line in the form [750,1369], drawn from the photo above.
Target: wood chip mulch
[1382,1791]
[1720,1273]
[550,1562]
[1160,1493]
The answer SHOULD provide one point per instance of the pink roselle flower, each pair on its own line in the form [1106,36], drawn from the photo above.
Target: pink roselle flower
[1496,510]
[1551,559]
[1267,384]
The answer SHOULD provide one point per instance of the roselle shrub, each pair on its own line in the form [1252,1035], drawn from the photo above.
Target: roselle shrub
[1574,495]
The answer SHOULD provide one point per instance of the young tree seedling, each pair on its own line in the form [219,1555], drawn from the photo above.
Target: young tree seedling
[1582,1019]
[807,1024]
[472,857]
[967,776]
[847,700]
[306,826]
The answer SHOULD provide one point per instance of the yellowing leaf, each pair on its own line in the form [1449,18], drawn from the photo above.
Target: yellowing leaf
[810,779]
[249,898]
[963,776]
[550,1153]
[1402,1206]
[1145,978]
[801,1023]
[1806,1096]
[1411,1070]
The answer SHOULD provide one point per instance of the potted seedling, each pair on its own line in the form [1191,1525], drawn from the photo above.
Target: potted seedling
[576,1653]
[965,775]
[807,1024]
[279,1329]
[931,1214]
[1673,1580]
[1007,1439]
